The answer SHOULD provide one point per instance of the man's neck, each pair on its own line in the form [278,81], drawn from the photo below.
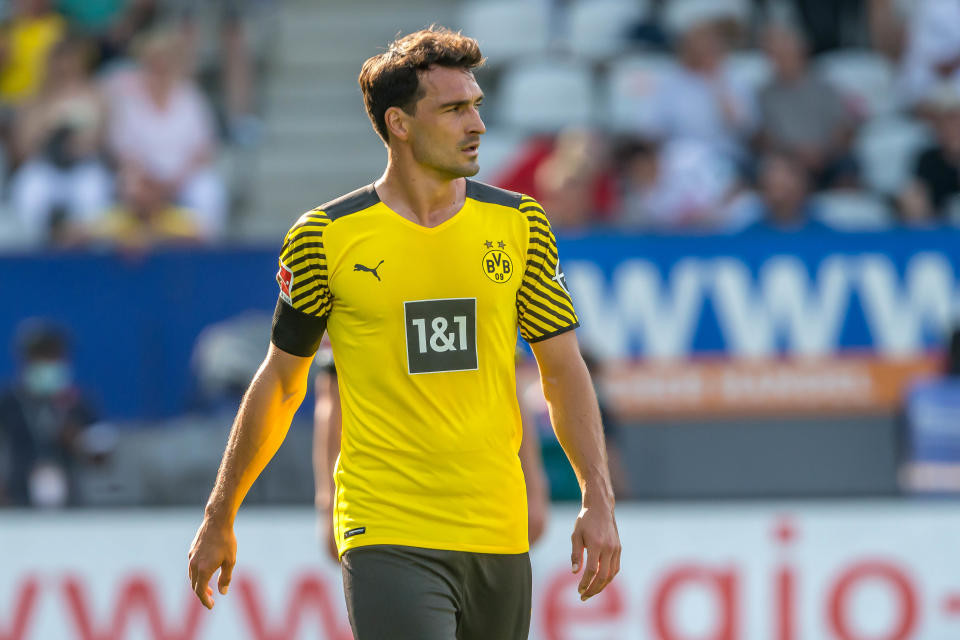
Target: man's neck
[416,194]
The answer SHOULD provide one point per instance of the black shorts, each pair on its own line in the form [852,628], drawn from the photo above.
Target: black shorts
[408,593]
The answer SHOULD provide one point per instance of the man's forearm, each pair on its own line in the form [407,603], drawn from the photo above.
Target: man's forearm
[260,427]
[576,421]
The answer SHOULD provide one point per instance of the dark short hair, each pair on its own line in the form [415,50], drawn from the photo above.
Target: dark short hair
[392,78]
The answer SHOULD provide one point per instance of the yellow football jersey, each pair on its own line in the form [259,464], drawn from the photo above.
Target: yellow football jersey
[423,324]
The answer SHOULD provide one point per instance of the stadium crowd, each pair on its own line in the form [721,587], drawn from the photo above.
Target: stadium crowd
[108,135]
[721,116]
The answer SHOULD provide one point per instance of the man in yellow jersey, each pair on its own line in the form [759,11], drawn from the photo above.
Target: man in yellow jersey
[421,280]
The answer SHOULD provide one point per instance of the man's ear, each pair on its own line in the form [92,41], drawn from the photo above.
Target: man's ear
[397,121]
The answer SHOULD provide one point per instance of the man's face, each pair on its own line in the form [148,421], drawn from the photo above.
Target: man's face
[445,127]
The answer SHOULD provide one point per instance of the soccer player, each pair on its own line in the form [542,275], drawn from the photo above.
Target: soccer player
[421,280]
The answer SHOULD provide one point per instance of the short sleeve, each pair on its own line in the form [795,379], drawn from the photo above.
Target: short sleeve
[544,306]
[305,299]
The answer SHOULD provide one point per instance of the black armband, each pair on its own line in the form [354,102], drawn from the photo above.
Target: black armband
[296,332]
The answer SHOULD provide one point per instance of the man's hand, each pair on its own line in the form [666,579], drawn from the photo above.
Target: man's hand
[214,547]
[538,510]
[595,531]
[325,532]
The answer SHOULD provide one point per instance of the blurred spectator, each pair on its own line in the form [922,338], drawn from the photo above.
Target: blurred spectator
[784,202]
[235,58]
[936,175]
[932,58]
[801,114]
[524,175]
[43,416]
[568,179]
[25,43]
[145,217]
[58,135]
[679,185]
[700,100]
[113,24]
[161,126]
[833,25]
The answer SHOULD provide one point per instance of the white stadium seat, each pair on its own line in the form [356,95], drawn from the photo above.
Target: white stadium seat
[546,95]
[630,85]
[507,29]
[853,211]
[683,14]
[886,148]
[864,78]
[598,28]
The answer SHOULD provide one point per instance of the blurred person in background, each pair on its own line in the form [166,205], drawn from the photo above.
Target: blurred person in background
[43,415]
[26,39]
[58,136]
[144,218]
[700,100]
[677,185]
[236,21]
[573,181]
[161,126]
[801,114]
[111,24]
[326,449]
[932,57]
[573,148]
[783,202]
[936,173]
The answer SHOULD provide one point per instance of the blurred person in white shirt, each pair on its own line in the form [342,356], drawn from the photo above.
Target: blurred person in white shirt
[932,57]
[162,124]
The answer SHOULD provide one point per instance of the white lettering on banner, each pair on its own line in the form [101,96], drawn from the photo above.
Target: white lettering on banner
[850,570]
[899,311]
[783,308]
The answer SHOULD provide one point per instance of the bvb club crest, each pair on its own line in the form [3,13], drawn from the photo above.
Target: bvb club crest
[497,265]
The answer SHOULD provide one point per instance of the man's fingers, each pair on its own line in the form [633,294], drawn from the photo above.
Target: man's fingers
[589,571]
[226,572]
[576,555]
[602,576]
[201,586]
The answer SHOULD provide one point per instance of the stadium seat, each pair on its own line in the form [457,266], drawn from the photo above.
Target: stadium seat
[750,69]
[682,14]
[887,148]
[853,211]
[864,78]
[630,84]
[507,29]
[598,28]
[546,95]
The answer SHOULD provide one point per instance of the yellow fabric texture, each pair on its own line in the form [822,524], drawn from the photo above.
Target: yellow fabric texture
[29,41]
[429,459]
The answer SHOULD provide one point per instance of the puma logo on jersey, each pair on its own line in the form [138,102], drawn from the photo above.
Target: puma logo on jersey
[360,267]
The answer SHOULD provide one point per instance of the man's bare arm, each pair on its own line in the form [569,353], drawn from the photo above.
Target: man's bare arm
[261,425]
[576,420]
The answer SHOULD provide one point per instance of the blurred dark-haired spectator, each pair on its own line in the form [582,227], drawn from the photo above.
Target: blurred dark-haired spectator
[701,99]
[112,24]
[783,200]
[26,39]
[936,174]
[144,217]
[161,125]
[932,57]
[43,416]
[58,138]
[801,114]
[679,185]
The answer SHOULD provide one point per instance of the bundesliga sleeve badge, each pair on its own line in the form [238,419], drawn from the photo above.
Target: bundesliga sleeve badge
[285,280]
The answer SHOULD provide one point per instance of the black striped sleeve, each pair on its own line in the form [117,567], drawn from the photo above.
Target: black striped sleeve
[544,306]
[305,298]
